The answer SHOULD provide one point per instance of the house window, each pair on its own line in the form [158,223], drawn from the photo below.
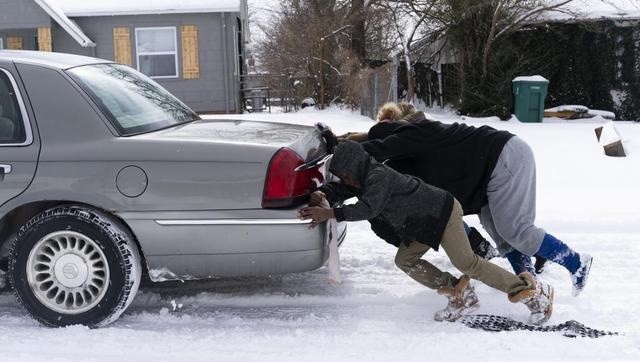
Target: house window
[157,51]
[1,43]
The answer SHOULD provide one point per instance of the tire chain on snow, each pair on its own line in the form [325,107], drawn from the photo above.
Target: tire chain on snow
[497,323]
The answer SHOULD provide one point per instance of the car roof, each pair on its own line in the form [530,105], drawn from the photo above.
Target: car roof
[49,59]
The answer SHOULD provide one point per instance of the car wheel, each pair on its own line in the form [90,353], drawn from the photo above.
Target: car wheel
[4,285]
[74,265]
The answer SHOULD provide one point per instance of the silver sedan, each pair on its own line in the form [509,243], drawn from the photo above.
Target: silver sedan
[105,176]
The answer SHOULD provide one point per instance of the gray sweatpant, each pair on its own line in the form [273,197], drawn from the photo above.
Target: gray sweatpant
[510,215]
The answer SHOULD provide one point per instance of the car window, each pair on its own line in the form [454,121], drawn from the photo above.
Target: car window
[133,102]
[11,123]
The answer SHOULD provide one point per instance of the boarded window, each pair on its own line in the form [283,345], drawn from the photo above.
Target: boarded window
[14,42]
[122,45]
[44,39]
[190,54]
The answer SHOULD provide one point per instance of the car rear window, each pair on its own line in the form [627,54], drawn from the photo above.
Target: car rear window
[12,130]
[134,103]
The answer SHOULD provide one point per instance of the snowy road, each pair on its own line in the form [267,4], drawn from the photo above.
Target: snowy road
[378,313]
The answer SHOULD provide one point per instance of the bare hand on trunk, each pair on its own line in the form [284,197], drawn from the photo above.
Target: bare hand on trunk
[317,214]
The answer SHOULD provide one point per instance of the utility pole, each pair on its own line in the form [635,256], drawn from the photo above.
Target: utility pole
[394,77]
[322,72]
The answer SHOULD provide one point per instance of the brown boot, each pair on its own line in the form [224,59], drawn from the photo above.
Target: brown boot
[538,298]
[462,300]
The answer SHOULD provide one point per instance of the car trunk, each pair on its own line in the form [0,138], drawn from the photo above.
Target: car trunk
[304,140]
[282,162]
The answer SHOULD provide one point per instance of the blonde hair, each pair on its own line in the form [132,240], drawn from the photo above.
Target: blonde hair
[389,111]
[406,108]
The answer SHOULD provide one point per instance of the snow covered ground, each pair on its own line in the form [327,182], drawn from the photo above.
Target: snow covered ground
[589,200]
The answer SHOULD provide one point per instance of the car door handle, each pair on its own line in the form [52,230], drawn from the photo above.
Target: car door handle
[5,169]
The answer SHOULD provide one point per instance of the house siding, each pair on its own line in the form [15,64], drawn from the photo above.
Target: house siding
[210,92]
[22,14]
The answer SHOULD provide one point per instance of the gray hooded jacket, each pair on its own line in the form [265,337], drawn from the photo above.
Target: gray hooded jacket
[400,208]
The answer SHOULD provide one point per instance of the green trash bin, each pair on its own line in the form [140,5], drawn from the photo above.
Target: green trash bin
[529,94]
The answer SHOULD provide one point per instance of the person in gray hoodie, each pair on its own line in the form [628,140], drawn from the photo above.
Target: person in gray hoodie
[415,217]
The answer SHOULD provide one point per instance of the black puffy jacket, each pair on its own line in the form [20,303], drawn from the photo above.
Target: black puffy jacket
[455,157]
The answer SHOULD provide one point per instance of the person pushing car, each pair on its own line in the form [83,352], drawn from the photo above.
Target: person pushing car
[415,217]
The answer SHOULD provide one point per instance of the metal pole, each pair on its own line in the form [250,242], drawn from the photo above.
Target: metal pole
[375,95]
[394,78]
[224,63]
[440,85]
[321,73]
[429,91]
[288,103]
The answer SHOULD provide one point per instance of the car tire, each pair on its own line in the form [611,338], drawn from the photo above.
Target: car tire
[4,283]
[74,265]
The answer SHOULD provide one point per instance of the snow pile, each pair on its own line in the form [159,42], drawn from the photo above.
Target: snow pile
[603,114]
[378,313]
[609,134]
[583,111]
[568,108]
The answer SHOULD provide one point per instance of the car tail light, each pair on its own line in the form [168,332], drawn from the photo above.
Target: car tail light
[284,187]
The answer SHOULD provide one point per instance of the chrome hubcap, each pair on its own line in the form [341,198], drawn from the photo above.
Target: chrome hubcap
[68,272]
[71,271]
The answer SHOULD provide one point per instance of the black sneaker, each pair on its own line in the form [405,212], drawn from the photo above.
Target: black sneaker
[539,265]
[481,246]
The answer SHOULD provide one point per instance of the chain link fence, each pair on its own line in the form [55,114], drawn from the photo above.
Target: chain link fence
[262,92]
[377,88]
[369,89]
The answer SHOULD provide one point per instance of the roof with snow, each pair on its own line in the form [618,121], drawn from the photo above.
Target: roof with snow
[62,10]
[596,10]
[77,8]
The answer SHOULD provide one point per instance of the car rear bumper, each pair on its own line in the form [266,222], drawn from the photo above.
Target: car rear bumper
[196,245]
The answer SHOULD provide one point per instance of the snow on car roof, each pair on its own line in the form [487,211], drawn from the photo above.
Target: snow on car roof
[49,59]
[75,8]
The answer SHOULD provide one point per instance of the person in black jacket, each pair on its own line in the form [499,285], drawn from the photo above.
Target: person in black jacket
[491,172]
[415,216]
[479,244]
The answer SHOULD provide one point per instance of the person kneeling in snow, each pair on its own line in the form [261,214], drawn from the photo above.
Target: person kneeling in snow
[415,216]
